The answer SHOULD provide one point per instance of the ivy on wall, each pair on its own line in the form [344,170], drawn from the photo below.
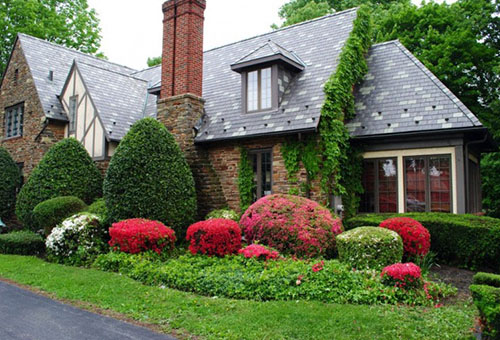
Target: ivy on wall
[339,164]
[246,183]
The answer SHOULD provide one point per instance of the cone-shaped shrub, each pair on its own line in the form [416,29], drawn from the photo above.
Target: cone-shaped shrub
[148,177]
[65,170]
[10,180]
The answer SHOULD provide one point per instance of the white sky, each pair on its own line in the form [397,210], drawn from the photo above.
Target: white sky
[132,29]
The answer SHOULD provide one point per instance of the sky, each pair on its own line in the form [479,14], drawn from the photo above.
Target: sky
[132,29]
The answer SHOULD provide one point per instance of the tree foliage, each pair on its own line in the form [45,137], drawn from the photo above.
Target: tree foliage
[66,22]
[153,61]
[10,181]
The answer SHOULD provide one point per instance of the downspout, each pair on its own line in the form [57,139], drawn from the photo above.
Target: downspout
[466,160]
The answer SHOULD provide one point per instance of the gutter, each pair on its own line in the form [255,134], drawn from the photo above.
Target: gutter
[266,134]
[418,133]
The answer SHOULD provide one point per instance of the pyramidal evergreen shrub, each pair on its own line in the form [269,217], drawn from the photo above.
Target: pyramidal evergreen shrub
[10,180]
[148,177]
[65,170]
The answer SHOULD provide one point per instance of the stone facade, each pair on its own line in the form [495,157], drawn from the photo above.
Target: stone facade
[38,133]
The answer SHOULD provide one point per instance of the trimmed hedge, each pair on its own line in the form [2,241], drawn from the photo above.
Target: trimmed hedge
[148,177]
[370,247]
[10,180]
[65,170]
[487,301]
[465,240]
[22,243]
[488,279]
[53,211]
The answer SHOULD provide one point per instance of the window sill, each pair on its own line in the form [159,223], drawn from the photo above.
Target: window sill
[12,138]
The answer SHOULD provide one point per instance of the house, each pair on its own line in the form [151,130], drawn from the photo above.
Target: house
[421,145]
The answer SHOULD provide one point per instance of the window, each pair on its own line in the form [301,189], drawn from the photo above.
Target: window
[262,169]
[73,105]
[380,183]
[259,90]
[428,183]
[14,121]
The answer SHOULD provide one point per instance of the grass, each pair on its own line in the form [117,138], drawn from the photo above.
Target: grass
[218,318]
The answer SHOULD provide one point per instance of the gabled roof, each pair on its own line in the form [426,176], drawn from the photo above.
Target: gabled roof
[120,99]
[399,94]
[318,43]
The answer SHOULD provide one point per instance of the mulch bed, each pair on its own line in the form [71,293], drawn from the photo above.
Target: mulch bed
[460,278]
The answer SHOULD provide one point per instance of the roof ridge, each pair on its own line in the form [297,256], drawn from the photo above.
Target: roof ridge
[287,27]
[73,50]
[112,71]
[436,81]
[146,69]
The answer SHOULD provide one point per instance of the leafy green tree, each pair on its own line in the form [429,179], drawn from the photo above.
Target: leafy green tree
[10,181]
[66,22]
[154,61]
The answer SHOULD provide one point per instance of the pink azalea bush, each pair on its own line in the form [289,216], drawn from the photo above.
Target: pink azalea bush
[259,252]
[403,275]
[292,225]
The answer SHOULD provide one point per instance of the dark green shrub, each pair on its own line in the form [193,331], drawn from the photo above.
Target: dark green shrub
[370,247]
[488,279]
[465,240]
[53,211]
[22,243]
[99,208]
[148,177]
[10,181]
[487,301]
[65,170]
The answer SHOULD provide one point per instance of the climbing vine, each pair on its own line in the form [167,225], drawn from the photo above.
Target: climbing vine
[339,164]
[246,184]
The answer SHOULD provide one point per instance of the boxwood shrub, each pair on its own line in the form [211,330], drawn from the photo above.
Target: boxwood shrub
[51,212]
[465,240]
[148,177]
[370,247]
[10,180]
[487,279]
[65,170]
[487,300]
[98,207]
[22,243]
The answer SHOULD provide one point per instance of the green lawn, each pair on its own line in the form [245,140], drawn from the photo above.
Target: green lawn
[216,318]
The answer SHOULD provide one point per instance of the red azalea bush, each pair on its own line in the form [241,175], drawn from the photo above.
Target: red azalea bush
[216,236]
[259,252]
[403,275]
[137,235]
[291,224]
[416,238]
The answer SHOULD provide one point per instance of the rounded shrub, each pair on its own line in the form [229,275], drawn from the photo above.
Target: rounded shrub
[98,207]
[402,275]
[138,235]
[416,238]
[370,247]
[223,213]
[78,240]
[65,170]
[217,236]
[259,252]
[291,224]
[51,212]
[10,181]
[149,177]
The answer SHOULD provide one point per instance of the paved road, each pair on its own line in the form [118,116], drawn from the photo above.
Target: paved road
[27,316]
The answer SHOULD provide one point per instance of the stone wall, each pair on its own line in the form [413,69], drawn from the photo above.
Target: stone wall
[38,134]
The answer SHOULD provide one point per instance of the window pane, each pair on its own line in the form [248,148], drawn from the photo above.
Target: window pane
[439,177]
[388,185]
[266,173]
[252,91]
[415,184]
[265,88]
[14,121]
[367,203]
[255,190]
[72,112]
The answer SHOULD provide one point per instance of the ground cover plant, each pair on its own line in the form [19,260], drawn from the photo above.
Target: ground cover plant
[51,212]
[193,315]
[22,243]
[10,181]
[292,225]
[465,240]
[248,278]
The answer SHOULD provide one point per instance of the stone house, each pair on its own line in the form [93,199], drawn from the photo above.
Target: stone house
[421,145]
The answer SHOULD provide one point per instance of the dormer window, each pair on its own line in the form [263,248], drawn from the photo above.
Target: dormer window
[259,90]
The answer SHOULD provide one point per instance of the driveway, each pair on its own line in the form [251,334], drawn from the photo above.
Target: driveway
[27,316]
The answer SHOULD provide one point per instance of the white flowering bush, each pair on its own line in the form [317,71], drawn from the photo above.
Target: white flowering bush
[227,214]
[77,240]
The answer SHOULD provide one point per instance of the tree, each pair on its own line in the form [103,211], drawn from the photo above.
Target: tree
[66,22]
[154,61]
[65,170]
[148,177]
[10,181]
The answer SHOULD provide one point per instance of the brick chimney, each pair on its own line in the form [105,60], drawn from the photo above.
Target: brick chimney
[182,57]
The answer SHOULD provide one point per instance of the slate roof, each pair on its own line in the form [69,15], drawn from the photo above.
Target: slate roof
[301,105]
[120,99]
[399,94]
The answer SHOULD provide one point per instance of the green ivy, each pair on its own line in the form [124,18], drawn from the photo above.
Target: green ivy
[246,183]
[339,164]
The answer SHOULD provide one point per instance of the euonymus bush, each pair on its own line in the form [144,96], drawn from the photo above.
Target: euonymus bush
[10,180]
[65,170]
[148,177]
[248,278]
